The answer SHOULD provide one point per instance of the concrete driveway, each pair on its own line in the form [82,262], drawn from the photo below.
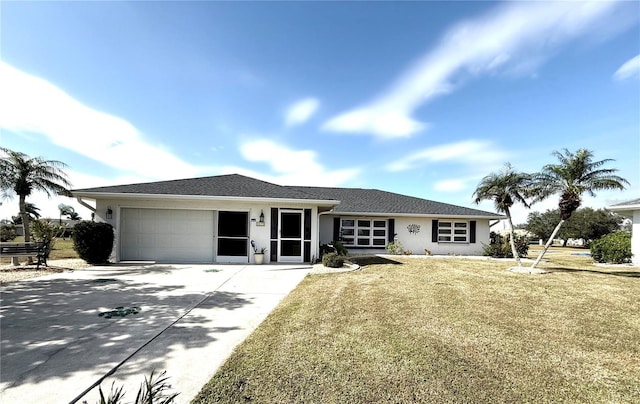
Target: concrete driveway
[56,346]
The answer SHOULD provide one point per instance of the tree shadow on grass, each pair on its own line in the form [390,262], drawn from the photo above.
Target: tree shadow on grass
[51,329]
[613,272]
[373,260]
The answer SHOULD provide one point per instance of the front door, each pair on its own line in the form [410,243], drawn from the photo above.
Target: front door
[290,236]
[233,237]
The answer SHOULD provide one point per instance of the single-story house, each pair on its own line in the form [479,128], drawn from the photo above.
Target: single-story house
[215,219]
[631,209]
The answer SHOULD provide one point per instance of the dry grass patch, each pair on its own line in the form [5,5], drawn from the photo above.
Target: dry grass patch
[445,330]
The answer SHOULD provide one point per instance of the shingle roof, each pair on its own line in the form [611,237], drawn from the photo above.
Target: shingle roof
[233,185]
[352,200]
[358,200]
[627,203]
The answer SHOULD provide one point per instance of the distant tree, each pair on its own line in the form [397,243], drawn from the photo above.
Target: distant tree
[22,175]
[32,211]
[65,210]
[504,188]
[542,224]
[575,174]
[584,223]
[589,224]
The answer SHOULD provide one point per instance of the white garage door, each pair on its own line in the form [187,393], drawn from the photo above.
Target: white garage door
[166,235]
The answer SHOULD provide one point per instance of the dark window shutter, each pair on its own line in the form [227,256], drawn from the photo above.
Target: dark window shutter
[472,231]
[336,229]
[434,230]
[392,230]
[307,251]
[274,223]
[307,224]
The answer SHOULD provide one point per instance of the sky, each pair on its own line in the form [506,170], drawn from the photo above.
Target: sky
[422,98]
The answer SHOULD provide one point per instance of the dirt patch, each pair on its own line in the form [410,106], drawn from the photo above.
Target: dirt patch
[10,273]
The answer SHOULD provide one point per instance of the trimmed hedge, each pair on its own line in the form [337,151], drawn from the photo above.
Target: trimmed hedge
[93,241]
[332,260]
[614,248]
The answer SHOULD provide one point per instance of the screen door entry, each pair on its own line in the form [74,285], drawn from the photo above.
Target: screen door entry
[290,236]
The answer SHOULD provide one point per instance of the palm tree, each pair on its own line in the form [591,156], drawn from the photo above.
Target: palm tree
[22,175]
[575,174]
[505,188]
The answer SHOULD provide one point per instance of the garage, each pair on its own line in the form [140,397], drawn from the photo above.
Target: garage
[166,235]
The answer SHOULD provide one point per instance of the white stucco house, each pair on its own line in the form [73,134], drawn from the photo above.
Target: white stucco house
[631,209]
[214,219]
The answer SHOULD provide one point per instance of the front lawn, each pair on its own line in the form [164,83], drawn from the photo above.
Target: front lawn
[445,330]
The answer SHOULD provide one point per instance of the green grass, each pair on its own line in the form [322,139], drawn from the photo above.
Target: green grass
[445,330]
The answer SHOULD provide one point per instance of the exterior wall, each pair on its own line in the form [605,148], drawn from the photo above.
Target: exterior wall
[417,242]
[260,234]
[635,238]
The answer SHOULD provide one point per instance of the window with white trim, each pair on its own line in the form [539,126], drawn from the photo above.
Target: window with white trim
[363,232]
[453,232]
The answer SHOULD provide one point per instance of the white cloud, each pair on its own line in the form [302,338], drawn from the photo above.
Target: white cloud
[470,152]
[30,104]
[516,37]
[631,68]
[291,167]
[451,185]
[301,111]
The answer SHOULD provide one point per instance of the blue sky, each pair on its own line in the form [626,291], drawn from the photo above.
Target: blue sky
[420,98]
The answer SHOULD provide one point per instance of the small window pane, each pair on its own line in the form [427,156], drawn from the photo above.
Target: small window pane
[379,241]
[444,224]
[458,238]
[444,231]
[364,223]
[460,231]
[379,223]
[444,238]
[363,232]
[347,241]
[461,224]
[363,241]
[379,233]
[347,222]
[347,232]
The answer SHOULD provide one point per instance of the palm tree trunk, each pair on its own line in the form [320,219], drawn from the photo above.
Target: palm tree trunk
[512,237]
[25,222]
[546,246]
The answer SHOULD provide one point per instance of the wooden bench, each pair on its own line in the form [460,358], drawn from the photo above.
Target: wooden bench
[33,249]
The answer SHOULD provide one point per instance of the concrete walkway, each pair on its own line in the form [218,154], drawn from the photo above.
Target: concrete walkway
[55,345]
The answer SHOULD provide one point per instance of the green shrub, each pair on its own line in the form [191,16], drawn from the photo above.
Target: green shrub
[8,232]
[45,231]
[501,248]
[614,248]
[333,260]
[340,248]
[93,241]
[395,248]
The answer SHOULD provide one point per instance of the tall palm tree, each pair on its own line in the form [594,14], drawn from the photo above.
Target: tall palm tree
[505,188]
[575,174]
[22,175]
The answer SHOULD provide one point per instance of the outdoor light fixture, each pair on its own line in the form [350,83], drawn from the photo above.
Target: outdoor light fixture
[261,219]
[109,212]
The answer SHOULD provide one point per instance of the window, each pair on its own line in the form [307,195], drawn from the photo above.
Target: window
[363,232]
[453,232]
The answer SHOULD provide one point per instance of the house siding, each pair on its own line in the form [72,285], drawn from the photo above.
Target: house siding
[260,234]
[416,243]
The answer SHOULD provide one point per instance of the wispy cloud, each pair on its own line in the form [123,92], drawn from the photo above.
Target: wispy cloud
[301,111]
[631,68]
[515,37]
[290,167]
[469,152]
[32,105]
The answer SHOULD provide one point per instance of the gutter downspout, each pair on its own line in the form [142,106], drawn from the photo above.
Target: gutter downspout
[86,205]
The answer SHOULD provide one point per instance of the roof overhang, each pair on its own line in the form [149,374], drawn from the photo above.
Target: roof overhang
[625,210]
[429,215]
[115,195]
